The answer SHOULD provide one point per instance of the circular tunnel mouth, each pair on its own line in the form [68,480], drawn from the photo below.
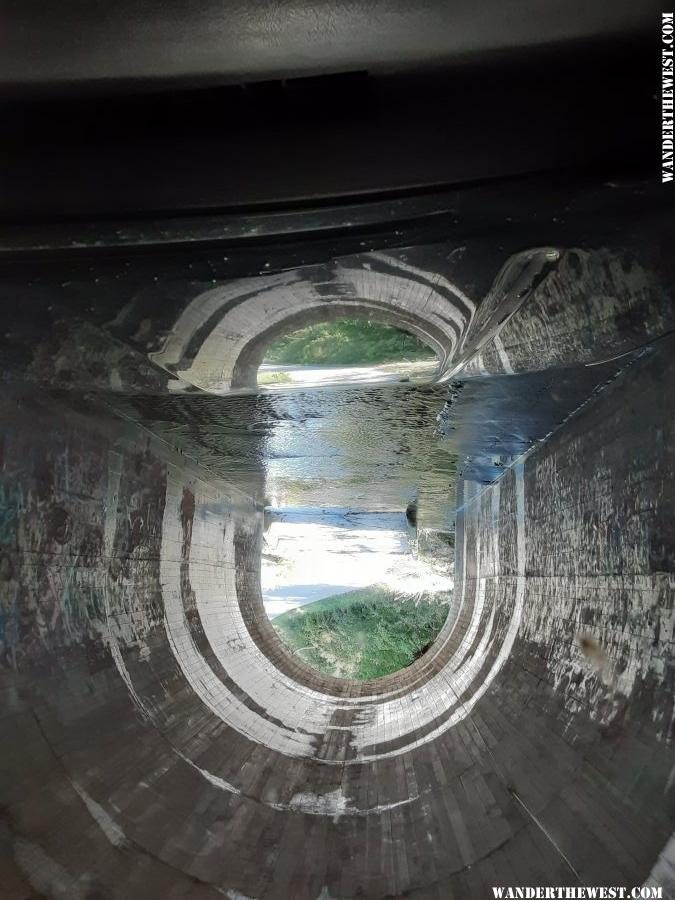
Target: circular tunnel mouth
[343,345]
[348,592]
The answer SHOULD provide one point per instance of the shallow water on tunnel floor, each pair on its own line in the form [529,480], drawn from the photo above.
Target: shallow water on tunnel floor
[375,448]
[369,448]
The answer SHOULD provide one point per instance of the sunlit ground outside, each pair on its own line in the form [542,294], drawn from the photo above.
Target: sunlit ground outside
[278,376]
[348,592]
[346,351]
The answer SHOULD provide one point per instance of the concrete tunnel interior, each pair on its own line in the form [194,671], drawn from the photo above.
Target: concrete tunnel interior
[158,739]
[167,214]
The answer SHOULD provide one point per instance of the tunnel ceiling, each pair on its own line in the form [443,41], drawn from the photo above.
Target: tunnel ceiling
[258,41]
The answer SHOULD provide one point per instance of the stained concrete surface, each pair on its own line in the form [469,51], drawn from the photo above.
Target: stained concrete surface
[158,740]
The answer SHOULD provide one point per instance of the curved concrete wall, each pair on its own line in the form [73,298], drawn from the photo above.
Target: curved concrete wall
[158,740]
[220,339]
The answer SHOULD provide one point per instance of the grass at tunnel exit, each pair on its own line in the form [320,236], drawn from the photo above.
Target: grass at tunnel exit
[346,342]
[364,634]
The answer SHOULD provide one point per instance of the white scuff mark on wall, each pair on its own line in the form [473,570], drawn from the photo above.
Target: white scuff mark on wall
[114,478]
[503,355]
[125,676]
[105,822]
[214,779]
[334,804]
[386,807]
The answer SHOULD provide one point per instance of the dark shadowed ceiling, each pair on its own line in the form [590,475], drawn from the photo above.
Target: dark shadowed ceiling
[186,40]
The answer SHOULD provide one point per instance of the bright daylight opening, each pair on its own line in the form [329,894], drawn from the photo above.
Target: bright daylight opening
[348,350]
[350,592]
[347,583]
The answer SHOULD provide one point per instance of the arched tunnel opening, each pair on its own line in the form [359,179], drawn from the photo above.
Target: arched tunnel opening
[349,350]
[161,739]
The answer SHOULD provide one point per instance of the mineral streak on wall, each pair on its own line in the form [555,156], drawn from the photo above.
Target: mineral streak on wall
[158,740]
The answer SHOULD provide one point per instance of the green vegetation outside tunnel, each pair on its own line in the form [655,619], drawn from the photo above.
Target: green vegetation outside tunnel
[363,634]
[346,342]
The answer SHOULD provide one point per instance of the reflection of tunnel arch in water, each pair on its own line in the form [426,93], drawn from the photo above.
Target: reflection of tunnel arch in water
[223,334]
[498,757]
